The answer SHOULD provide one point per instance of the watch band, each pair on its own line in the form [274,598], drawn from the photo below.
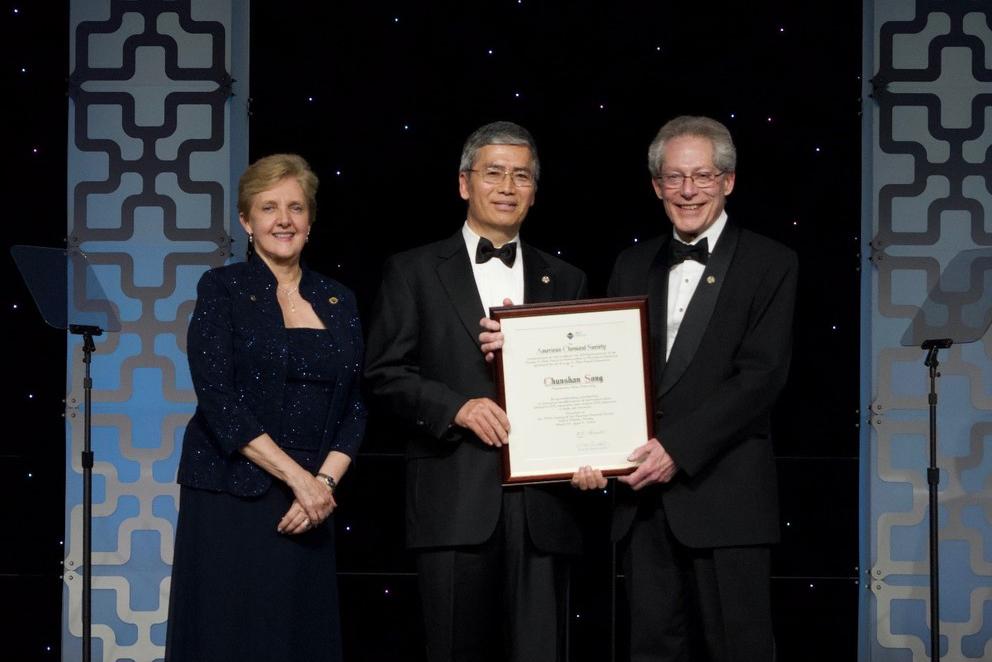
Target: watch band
[327,480]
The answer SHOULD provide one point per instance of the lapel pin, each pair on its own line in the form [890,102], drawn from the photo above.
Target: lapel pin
[711,279]
[545,279]
[333,300]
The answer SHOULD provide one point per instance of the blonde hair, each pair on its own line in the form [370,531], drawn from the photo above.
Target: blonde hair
[268,171]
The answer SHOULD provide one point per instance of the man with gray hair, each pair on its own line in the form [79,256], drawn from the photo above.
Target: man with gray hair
[702,509]
[489,559]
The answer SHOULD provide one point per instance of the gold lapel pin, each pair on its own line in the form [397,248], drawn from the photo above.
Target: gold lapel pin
[545,279]
[711,279]
[333,300]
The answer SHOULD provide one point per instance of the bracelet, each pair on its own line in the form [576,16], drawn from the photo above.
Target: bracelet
[328,480]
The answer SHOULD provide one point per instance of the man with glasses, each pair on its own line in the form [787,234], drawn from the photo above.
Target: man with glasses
[489,559]
[701,510]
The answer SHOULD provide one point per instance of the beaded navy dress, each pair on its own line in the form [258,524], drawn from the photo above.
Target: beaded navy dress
[240,589]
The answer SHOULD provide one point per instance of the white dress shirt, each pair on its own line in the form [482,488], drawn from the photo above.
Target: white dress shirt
[494,280]
[683,279]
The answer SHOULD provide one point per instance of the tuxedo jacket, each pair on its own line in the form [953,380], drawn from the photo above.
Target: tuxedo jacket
[714,394]
[424,363]
[238,359]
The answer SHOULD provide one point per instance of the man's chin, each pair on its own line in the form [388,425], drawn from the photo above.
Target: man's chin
[688,229]
[692,227]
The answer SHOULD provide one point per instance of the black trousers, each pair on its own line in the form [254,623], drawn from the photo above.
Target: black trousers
[691,605]
[502,601]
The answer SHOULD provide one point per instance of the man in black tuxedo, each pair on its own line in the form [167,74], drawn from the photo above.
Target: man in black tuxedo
[702,510]
[489,558]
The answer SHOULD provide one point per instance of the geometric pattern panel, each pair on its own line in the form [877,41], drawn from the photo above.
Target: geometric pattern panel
[157,137]
[928,213]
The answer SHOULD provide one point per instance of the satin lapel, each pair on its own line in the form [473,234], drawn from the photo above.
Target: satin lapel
[454,270]
[658,309]
[701,307]
[539,279]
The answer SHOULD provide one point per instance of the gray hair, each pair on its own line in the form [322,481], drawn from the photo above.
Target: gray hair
[498,133]
[724,152]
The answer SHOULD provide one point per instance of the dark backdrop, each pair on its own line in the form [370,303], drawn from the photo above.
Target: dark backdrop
[379,97]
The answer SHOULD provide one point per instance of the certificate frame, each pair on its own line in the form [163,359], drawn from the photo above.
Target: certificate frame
[622,320]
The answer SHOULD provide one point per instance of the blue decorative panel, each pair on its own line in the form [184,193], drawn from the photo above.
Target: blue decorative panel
[927,219]
[157,137]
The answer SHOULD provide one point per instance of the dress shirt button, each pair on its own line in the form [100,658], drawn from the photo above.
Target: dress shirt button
[252,297]
[333,300]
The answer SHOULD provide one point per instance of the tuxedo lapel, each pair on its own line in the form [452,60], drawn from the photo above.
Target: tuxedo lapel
[540,283]
[658,309]
[454,270]
[701,307]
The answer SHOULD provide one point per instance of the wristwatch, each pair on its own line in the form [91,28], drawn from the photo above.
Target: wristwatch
[328,480]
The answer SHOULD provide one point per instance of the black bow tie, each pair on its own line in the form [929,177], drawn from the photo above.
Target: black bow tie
[680,252]
[486,251]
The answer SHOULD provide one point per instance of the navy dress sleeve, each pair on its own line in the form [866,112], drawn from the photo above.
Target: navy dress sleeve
[210,346]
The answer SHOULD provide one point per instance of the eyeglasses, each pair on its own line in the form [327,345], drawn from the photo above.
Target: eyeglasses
[495,175]
[699,179]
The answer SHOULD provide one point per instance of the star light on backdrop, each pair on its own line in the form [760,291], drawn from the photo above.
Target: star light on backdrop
[32,477]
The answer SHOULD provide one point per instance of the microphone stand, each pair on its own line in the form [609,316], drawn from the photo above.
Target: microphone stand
[87,332]
[51,274]
[932,346]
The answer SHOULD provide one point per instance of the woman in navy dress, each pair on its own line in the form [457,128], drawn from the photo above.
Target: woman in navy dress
[275,352]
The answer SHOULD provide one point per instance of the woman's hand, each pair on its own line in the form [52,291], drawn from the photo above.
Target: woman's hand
[313,499]
[295,520]
[313,504]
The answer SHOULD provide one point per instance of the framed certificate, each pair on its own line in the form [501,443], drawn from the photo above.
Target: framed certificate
[575,381]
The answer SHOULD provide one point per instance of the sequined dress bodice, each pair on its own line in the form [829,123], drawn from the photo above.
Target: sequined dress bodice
[309,386]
